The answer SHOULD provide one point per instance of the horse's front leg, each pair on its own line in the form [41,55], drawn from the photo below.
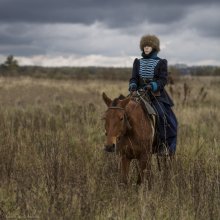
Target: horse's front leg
[125,164]
[145,167]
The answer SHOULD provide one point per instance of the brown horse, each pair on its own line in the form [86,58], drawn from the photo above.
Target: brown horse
[131,133]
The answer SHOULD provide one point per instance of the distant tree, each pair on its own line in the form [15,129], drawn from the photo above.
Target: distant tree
[10,66]
[11,63]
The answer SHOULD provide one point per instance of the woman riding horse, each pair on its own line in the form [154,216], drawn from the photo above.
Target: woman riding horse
[150,73]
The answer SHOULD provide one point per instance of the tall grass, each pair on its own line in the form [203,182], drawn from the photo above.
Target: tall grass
[52,165]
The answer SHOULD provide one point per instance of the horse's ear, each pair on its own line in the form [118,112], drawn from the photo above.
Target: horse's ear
[106,99]
[124,102]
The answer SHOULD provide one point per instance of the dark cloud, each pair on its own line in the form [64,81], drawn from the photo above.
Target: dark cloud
[205,21]
[9,36]
[22,50]
[13,40]
[17,38]
[111,28]
[114,13]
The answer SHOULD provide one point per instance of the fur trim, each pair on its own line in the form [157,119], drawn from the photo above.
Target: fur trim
[150,40]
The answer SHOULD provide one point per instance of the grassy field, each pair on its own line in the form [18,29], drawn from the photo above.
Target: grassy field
[52,164]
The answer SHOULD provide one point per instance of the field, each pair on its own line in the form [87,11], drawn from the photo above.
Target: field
[52,164]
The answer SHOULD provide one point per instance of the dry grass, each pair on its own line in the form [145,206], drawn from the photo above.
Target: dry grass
[52,165]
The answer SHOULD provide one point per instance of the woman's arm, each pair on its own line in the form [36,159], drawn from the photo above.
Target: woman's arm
[133,82]
[160,77]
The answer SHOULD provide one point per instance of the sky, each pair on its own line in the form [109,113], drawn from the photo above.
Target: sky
[107,33]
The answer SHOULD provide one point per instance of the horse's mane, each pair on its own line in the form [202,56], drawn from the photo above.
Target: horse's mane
[115,101]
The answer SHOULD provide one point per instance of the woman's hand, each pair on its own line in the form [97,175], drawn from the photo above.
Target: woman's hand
[133,93]
[148,87]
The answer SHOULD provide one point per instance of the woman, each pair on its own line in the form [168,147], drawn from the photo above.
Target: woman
[150,73]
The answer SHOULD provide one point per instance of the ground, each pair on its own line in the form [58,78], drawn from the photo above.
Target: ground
[52,161]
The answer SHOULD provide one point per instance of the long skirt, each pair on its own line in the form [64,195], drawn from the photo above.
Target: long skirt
[166,125]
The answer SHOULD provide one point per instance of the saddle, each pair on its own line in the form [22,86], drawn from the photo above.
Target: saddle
[145,102]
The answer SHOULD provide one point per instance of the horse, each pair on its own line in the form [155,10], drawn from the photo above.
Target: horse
[131,133]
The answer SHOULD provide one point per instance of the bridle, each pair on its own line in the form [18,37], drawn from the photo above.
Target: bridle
[116,107]
[128,125]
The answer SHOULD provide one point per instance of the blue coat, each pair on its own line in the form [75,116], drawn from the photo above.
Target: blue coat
[158,77]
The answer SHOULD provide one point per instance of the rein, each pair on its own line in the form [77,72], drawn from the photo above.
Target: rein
[115,107]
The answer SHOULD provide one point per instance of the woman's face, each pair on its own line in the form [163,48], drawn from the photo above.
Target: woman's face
[147,50]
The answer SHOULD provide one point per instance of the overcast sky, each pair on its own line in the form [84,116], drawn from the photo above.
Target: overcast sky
[107,33]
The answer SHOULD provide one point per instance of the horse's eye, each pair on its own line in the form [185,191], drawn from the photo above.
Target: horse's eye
[106,133]
[121,119]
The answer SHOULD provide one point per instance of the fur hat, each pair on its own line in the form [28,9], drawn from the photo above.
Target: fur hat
[151,41]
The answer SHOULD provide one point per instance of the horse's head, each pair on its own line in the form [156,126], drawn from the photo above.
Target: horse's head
[116,122]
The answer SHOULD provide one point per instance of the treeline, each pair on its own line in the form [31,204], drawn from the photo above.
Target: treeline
[69,72]
[11,68]
[205,70]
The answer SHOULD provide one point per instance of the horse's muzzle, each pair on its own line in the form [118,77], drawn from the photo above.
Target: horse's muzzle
[109,148]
